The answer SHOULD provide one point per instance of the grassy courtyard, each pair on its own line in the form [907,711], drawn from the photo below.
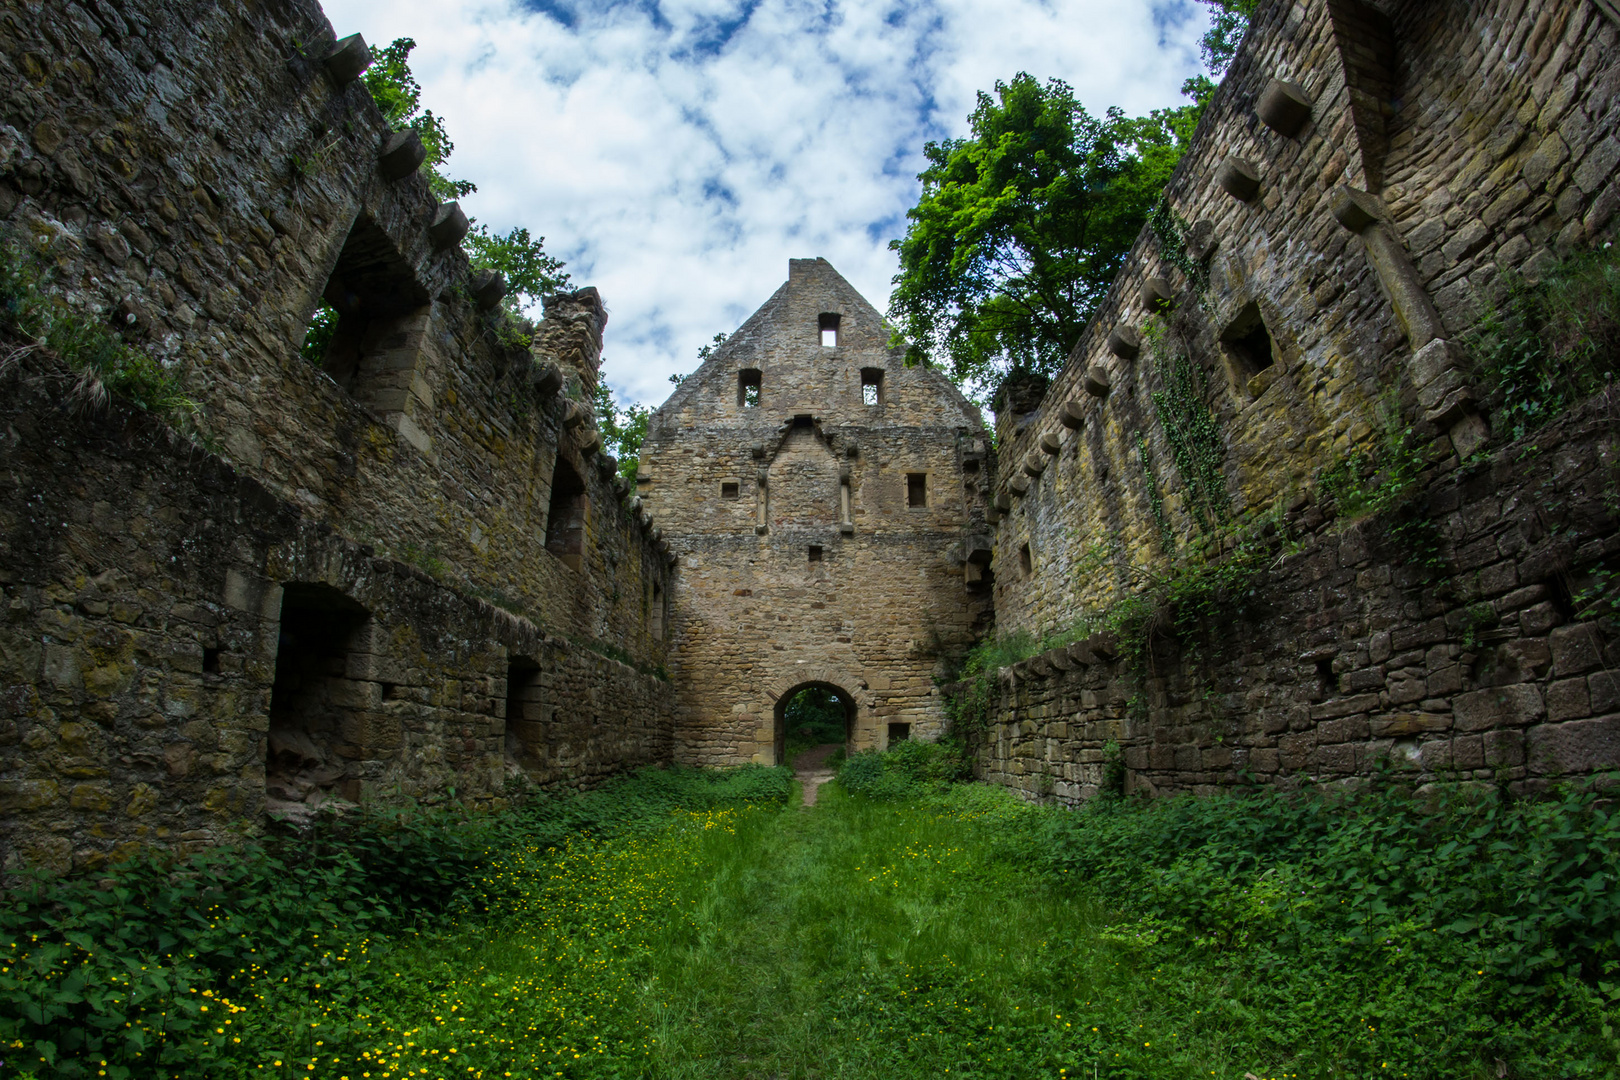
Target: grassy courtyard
[701,925]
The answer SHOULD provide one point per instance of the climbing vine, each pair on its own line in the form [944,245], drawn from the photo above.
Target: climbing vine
[1190,430]
[1172,230]
[1155,497]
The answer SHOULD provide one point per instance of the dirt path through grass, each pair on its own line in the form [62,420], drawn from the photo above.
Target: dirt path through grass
[811,770]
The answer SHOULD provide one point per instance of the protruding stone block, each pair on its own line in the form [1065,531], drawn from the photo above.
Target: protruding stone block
[1284,107]
[1018,485]
[347,59]
[1004,502]
[1072,415]
[1353,208]
[1238,178]
[487,288]
[1051,444]
[574,415]
[1034,464]
[449,225]
[546,379]
[1124,342]
[402,154]
[1157,295]
[1097,383]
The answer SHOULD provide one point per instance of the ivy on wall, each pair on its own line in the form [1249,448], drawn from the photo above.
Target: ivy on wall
[1190,430]
[1167,535]
[1173,231]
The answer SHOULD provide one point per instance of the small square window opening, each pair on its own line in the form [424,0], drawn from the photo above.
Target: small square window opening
[748,384]
[210,660]
[829,329]
[899,733]
[872,386]
[815,552]
[730,491]
[916,489]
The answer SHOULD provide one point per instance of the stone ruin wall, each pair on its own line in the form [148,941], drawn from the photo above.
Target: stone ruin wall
[1476,139]
[194,175]
[890,597]
[383,528]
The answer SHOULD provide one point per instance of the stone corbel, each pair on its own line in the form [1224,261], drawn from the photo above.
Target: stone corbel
[1437,366]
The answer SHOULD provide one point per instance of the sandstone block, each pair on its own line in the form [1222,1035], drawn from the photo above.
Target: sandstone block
[1575,747]
[1507,706]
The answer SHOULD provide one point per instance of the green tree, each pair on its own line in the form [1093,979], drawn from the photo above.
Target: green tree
[531,275]
[623,428]
[399,96]
[1228,22]
[1023,226]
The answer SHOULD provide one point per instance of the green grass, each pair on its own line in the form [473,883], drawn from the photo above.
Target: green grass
[681,924]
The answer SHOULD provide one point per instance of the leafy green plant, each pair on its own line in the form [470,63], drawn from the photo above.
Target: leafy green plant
[1541,347]
[36,319]
[397,93]
[1181,406]
[1022,227]
[903,771]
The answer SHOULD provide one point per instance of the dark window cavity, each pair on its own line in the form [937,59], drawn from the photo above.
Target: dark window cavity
[748,384]
[916,489]
[565,525]
[871,386]
[829,329]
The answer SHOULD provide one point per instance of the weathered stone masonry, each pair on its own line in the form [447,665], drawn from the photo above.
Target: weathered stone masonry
[826,503]
[1354,216]
[409,567]
[323,605]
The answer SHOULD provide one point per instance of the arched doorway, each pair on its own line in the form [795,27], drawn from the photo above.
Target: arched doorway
[812,714]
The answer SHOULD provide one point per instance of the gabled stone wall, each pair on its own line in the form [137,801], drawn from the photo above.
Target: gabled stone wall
[802,558]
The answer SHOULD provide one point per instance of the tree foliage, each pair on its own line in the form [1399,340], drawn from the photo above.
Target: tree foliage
[1023,225]
[1228,22]
[399,96]
[531,274]
[623,428]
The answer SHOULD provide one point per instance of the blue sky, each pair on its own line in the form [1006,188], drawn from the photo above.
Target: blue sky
[678,153]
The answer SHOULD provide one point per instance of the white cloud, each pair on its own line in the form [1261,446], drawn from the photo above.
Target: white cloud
[678,154]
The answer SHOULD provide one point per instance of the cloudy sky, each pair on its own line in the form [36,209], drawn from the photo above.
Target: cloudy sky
[676,153]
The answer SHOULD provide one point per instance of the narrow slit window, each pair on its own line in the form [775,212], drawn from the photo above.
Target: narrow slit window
[748,384]
[815,552]
[1025,561]
[730,491]
[656,612]
[871,386]
[916,489]
[829,329]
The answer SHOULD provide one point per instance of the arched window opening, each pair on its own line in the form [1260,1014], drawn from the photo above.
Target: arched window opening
[565,523]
